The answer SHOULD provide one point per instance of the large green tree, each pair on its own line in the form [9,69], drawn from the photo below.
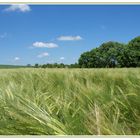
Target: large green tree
[107,55]
[134,52]
[110,53]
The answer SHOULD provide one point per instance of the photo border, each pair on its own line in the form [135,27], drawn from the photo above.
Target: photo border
[102,137]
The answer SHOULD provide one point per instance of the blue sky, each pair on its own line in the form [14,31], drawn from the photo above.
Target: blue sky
[32,34]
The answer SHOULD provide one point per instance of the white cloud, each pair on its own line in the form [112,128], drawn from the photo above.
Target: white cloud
[3,35]
[18,7]
[62,58]
[16,58]
[45,54]
[69,38]
[44,45]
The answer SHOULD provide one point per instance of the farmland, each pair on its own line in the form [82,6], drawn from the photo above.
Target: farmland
[70,101]
[11,66]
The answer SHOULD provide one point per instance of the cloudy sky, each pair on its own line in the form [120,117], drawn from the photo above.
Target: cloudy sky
[32,34]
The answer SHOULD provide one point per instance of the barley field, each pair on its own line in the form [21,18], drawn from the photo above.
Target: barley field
[70,101]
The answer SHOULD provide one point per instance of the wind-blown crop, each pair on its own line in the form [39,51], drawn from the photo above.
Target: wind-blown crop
[70,101]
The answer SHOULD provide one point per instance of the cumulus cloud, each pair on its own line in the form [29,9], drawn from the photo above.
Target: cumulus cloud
[45,54]
[62,58]
[16,58]
[44,45]
[18,7]
[69,38]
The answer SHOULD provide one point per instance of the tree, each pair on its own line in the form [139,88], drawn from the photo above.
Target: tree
[111,53]
[75,65]
[29,65]
[36,65]
[134,52]
[61,65]
[84,60]
[107,55]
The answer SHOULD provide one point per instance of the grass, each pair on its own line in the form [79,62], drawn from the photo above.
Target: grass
[70,101]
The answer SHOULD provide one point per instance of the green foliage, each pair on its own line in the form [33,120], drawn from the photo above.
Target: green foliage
[36,66]
[69,101]
[112,54]
[57,65]
[134,54]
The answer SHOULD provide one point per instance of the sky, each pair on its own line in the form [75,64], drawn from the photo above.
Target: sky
[41,34]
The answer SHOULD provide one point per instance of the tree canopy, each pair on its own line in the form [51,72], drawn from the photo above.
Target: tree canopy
[112,54]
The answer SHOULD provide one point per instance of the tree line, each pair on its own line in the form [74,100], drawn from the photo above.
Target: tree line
[57,65]
[107,55]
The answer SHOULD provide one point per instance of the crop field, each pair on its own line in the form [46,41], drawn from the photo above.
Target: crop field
[70,101]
